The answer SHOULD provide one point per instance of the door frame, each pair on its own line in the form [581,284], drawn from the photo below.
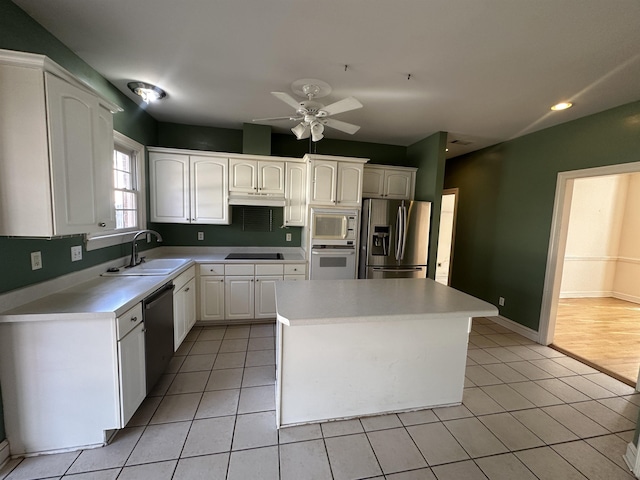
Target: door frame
[455,192]
[558,241]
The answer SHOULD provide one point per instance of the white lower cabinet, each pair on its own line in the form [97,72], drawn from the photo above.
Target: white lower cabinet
[242,291]
[184,305]
[131,360]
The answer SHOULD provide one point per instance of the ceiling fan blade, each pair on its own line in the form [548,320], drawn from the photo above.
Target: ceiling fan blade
[274,119]
[288,99]
[343,105]
[349,128]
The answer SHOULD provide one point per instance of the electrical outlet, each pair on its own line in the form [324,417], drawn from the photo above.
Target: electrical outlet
[288,237]
[76,253]
[200,235]
[36,260]
[501,301]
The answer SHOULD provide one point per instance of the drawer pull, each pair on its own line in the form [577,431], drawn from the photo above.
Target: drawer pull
[134,319]
[186,289]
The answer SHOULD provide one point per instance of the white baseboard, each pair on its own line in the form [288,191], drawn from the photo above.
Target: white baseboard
[587,294]
[631,459]
[4,453]
[516,328]
[624,296]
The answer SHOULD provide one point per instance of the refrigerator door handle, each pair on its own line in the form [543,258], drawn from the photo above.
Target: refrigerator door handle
[398,233]
[403,210]
[383,269]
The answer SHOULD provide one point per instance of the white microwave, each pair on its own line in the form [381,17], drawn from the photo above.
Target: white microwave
[334,227]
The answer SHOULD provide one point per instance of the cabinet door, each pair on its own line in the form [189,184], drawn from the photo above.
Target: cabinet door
[243,175]
[238,297]
[190,304]
[265,302]
[73,118]
[184,312]
[169,188]
[295,210]
[349,184]
[271,177]
[209,199]
[323,182]
[133,383]
[372,182]
[212,298]
[398,184]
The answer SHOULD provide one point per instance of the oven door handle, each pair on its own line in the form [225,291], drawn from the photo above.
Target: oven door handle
[333,252]
[382,269]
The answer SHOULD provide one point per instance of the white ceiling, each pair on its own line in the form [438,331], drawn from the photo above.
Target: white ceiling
[483,70]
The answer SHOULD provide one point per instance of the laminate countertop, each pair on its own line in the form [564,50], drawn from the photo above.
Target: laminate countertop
[319,302]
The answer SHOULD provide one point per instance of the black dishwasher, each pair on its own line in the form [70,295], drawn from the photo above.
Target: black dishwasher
[158,336]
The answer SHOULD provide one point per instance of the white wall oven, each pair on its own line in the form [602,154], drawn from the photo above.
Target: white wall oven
[333,242]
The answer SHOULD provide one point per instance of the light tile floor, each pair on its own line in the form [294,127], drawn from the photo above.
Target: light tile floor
[528,412]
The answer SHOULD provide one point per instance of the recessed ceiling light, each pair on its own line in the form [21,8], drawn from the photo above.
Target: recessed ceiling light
[561,106]
[148,92]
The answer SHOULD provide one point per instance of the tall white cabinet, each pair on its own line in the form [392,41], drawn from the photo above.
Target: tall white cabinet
[57,148]
[335,181]
[188,188]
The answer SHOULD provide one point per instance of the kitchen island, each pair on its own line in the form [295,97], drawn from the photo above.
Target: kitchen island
[347,348]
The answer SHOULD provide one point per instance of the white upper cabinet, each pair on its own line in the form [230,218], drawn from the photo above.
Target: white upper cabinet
[381,181]
[295,209]
[249,177]
[188,188]
[57,150]
[335,181]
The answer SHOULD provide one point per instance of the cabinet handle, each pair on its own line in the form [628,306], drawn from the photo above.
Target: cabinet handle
[134,319]
[102,224]
[186,289]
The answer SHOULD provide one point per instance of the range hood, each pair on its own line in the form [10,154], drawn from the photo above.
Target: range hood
[257,200]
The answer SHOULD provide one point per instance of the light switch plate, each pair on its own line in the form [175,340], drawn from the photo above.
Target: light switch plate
[200,235]
[288,237]
[76,253]
[36,260]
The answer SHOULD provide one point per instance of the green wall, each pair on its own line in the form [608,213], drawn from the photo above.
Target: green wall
[505,205]
[428,156]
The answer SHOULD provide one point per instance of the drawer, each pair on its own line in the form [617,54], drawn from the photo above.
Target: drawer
[294,277]
[129,320]
[184,277]
[269,269]
[238,269]
[295,268]
[211,269]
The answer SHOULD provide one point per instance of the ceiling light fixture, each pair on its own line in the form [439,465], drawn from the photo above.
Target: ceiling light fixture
[149,93]
[561,106]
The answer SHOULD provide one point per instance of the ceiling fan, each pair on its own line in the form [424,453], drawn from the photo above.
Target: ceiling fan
[312,115]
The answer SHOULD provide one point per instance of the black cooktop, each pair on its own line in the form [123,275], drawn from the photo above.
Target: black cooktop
[254,256]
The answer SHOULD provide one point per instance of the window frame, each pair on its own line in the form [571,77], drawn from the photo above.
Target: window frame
[112,237]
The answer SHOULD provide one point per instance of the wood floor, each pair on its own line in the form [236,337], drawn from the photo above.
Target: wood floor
[603,332]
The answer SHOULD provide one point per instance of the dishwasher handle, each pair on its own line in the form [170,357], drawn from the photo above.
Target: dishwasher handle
[152,299]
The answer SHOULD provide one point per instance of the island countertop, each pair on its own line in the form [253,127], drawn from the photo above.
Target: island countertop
[321,302]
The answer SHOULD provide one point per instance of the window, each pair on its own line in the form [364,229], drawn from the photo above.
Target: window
[128,194]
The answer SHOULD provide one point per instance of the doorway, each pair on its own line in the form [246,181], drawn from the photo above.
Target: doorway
[446,235]
[591,297]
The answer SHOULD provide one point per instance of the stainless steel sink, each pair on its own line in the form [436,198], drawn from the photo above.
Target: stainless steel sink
[155,266]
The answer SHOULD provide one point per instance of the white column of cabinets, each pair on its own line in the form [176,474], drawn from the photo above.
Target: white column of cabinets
[188,188]
[57,150]
[389,182]
[334,181]
[295,209]
[184,305]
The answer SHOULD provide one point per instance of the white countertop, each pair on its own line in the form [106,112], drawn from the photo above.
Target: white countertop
[318,302]
[100,296]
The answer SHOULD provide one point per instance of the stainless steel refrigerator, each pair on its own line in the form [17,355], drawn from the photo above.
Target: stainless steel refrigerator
[394,239]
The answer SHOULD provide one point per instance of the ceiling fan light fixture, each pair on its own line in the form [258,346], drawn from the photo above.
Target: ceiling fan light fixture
[316,131]
[301,131]
[149,93]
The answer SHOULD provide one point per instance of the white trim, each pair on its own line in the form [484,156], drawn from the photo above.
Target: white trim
[632,460]
[626,297]
[635,261]
[587,294]
[107,239]
[558,240]
[575,258]
[515,327]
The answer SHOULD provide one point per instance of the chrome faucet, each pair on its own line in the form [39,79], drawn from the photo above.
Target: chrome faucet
[134,248]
